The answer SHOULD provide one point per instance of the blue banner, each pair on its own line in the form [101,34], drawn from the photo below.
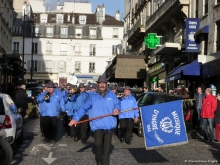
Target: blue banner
[163,125]
[192,43]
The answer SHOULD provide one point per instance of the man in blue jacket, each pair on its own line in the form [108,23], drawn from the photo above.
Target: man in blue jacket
[101,102]
[51,102]
[127,119]
[79,102]
[69,105]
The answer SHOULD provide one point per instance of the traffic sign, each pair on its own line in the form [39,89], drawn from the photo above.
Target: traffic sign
[152,40]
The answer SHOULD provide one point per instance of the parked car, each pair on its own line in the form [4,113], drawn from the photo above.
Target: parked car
[134,91]
[151,98]
[35,91]
[12,122]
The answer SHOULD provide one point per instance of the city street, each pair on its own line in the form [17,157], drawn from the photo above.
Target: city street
[34,152]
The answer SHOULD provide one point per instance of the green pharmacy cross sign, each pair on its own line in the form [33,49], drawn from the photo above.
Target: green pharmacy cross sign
[152,40]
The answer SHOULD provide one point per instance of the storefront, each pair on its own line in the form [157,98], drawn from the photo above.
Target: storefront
[211,75]
[44,78]
[157,74]
[128,70]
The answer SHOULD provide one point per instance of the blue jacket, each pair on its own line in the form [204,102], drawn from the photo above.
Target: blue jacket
[196,96]
[51,108]
[70,105]
[100,106]
[80,100]
[127,103]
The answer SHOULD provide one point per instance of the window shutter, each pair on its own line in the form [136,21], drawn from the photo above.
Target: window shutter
[58,66]
[42,30]
[28,65]
[43,66]
[64,66]
[38,66]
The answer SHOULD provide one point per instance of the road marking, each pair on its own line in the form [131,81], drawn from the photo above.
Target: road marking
[34,150]
[49,160]
[62,145]
[47,147]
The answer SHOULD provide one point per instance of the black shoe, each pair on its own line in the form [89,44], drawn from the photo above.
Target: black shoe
[45,140]
[53,141]
[83,142]
[99,163]
[128,143]
[75,139]
[122,140]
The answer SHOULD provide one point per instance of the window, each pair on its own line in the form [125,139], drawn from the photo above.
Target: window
[78,33]
[43,18]
[77,48]
[206,7]
[62,66]
[16,47]
[49,31]
[34,48]
[91,67]
[146,100]
[59,18]
[28,65]
[78,66]
[115,33]
[2,108]
[64,32]
[35,31]
[49,48]
[63,49]
[48,67]
[92,33]
[17,29]
[92,50]
[73,20]
[114,49]
[68,18]
[82,19]
[35,66]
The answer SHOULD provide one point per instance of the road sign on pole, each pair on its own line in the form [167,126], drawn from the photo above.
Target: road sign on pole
[152,40]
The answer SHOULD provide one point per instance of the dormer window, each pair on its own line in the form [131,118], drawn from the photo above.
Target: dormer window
[82,19]
[43,18]
[59,18]
[73,20]
[68,18]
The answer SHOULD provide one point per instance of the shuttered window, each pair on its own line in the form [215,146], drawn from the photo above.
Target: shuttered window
[49,32]
[49,48]
[63,49]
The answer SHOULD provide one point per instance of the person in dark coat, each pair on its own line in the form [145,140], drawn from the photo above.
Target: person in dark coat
[22,99]
[217,119]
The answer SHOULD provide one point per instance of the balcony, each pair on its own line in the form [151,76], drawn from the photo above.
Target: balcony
[162,12]
[92,53]
[138,7]
[77,70]
[91,70]
[137,30]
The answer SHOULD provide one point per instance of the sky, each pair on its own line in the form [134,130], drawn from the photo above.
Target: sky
[111,6]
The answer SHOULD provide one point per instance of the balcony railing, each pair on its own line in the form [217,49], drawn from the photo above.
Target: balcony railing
[49,34]
[16,51]
[139,23]
[92,53]
[160,12]
[91,70]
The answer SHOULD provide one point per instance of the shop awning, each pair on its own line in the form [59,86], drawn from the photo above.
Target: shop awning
[169,48]
[130,68]
[205,29]
[184,71]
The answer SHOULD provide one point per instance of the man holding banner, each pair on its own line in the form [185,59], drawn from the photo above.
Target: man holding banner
[99,103]
[127,119]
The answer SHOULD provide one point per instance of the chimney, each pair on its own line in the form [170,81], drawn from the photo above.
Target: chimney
[100,14]
[117,15]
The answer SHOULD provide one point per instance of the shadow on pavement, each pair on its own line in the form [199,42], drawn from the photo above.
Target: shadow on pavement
[151,156]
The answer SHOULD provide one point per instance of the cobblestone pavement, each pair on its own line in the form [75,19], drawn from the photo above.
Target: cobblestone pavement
[67,152]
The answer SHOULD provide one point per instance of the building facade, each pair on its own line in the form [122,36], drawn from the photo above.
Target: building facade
[69,41]
[6,60]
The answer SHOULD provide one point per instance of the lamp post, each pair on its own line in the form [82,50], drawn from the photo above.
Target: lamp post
[23,48]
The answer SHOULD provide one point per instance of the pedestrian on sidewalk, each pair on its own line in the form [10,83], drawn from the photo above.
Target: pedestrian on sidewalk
[127,119]
[217,119]
[101,102]
[209,106]
[199,96]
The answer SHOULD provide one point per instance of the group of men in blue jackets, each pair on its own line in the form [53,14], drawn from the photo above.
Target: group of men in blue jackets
[85,105]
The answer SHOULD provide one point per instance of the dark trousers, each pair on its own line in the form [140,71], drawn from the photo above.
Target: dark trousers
[41,125]
[68,129]
[103,138]
[84,128]
[50,127]
[126,126]
[75,130]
